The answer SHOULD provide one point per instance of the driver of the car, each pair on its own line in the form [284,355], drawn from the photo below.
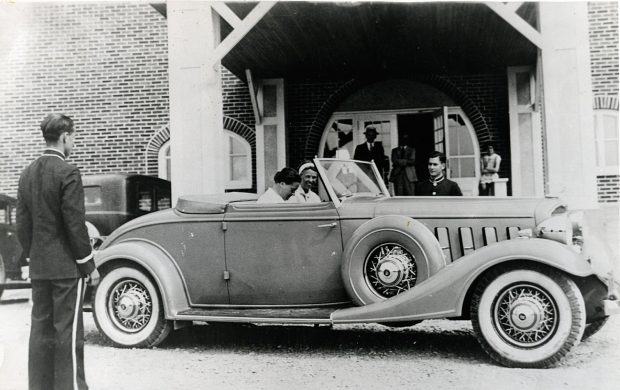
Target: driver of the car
[285,183]
[304,193]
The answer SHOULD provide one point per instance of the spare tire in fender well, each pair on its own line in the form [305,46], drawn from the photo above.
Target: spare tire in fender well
[388,255]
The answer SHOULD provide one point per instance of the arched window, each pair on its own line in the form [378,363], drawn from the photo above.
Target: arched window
[239,161]
[606,141]
[163,162]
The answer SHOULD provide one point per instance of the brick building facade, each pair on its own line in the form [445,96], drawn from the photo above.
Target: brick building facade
[106,66]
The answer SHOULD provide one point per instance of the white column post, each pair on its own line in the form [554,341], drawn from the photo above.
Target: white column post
[570,158]
[196,130]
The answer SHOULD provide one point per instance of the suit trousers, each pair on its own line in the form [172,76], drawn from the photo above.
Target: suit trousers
[56,349]
[404,187]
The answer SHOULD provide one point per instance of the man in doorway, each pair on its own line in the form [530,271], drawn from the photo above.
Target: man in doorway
[403,173]
[437,184]
[371,150]
[51,227]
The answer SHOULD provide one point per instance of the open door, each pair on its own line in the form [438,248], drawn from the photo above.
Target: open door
[440,118]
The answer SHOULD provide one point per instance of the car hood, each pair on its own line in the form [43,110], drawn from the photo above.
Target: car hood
[452,207]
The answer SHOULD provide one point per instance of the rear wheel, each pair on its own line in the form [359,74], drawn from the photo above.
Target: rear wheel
[529,318]
[128,309]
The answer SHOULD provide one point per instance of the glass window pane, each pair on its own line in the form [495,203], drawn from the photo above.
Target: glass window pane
[236,146]
[524,96]
[466,145]
[238,168]
[468,167]
[610,124]
[611,153]
[270,101]
[453,140]
[92,196]
[144,200]
[455,170]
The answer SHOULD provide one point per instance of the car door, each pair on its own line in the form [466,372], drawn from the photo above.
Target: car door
[283,254]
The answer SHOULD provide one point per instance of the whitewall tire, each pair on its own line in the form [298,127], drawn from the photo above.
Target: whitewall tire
[128,309]
[529,318]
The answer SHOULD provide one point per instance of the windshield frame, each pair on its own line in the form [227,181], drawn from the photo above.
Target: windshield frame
[329,187]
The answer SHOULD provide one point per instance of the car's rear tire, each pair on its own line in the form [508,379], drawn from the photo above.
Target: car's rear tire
[128,309]
[387,256]
[593,327]
[528,318]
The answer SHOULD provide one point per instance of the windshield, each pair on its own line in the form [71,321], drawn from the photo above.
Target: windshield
[349,178]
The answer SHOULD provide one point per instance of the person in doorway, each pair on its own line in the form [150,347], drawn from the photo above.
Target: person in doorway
[51,227]
[371,150]
[285,184]
[437,184]
[309,178]
[403,173]
[489,166]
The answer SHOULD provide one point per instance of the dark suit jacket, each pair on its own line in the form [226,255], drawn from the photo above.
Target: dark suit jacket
[443,188]
[51,219]
[376,154]
[403,162]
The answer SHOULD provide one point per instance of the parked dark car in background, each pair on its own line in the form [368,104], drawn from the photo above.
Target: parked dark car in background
[113,199]
[10,251]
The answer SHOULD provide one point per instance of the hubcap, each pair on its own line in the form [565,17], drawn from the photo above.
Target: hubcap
[130,305]
[525,315]
[389,270]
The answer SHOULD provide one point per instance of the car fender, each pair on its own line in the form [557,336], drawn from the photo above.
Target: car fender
[158,263]
[443,294]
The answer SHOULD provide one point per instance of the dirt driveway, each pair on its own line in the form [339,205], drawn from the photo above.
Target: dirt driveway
[432,355]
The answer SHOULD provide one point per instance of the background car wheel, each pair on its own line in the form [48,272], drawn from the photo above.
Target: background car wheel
[593,327]
[529,318]
[387,256]
[127,308]
[2,275]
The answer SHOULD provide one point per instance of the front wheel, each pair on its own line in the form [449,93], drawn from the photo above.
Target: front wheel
[528,318]
[127,308]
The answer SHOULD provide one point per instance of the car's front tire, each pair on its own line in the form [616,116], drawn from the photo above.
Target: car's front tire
[128,309]
[528,318]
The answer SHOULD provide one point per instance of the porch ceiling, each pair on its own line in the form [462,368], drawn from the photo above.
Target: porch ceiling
[331,40]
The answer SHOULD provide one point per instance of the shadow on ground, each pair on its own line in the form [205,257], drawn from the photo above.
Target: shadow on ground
[376,340]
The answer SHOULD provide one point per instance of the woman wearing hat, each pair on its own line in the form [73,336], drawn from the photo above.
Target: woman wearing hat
[309,177]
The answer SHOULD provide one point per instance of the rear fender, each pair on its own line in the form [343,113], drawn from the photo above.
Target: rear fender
[160,266]
[443,294]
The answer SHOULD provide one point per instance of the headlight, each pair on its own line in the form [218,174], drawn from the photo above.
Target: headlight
[557,228]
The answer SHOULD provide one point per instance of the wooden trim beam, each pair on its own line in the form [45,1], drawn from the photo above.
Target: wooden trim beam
[257,114]
[241,30]
[226,13]
[507,13]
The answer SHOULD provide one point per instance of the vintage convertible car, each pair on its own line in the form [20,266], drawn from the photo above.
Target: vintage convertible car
[530,277]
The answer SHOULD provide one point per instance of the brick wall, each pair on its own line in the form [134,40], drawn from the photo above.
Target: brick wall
[603,22]
[105,65]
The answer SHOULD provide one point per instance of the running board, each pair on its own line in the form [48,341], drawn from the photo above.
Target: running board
[266,315]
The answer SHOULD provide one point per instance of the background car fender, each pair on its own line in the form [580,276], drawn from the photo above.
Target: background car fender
[443,294]
[158,263]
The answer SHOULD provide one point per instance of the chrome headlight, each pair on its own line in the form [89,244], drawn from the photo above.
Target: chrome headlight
[557,228]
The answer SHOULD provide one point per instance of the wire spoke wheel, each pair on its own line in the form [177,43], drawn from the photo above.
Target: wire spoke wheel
[525,315]
[389,269]
[130,305]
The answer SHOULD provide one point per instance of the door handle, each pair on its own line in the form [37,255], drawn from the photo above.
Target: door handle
[328,225]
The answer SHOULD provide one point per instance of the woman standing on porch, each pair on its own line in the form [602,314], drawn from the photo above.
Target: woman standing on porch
[490,166]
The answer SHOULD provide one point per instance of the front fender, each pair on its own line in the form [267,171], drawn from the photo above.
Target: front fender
[158,263]
[443,294]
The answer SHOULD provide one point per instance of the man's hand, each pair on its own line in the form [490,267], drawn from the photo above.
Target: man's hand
[93,278]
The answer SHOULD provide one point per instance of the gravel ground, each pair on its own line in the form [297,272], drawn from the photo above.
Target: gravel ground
[439,354]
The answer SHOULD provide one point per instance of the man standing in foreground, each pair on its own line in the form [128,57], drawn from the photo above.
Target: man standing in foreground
[437,184]
[51,229]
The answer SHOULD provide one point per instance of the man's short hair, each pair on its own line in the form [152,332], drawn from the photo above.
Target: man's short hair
[287,175]
[442,157]
[54,125]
